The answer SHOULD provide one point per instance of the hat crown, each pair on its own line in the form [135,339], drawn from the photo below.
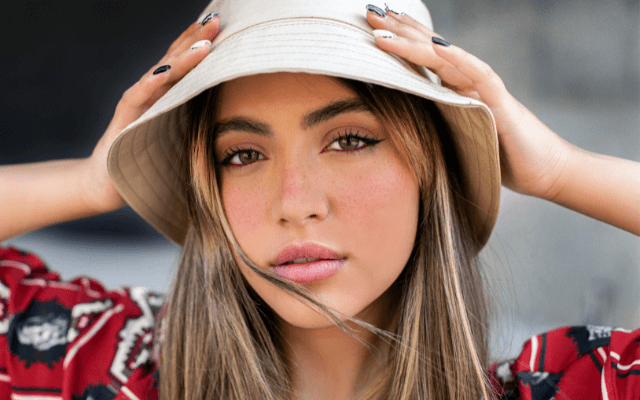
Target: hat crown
[238,15]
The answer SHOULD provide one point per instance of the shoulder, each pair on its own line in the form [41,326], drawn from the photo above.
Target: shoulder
[582,362]
[74,335]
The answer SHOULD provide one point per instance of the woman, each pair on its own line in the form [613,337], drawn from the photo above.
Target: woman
[274,198]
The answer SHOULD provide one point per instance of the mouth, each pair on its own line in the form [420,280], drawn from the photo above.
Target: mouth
[307,263]
[301,260]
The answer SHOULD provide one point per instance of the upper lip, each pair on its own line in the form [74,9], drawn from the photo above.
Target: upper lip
[305,250]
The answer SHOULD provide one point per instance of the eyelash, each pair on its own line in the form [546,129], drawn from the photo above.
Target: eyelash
[368,142]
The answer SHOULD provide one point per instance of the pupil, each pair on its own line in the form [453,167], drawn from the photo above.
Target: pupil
[348,143]
[248,156]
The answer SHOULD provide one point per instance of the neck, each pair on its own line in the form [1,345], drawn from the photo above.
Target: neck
[328,363]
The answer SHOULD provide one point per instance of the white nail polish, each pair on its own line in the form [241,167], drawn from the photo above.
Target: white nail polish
[388,8]
[199,44]
[381,33]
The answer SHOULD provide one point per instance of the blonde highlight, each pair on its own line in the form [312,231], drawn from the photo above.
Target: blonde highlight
[221,341]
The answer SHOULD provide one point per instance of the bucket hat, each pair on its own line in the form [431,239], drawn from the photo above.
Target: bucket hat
[332,38]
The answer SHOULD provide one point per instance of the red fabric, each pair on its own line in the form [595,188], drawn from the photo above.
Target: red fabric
[76,340]
[72,340]
[577,362]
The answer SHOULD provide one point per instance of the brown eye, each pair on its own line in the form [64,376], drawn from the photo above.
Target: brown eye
[349,143]
[248,156]
[244,157]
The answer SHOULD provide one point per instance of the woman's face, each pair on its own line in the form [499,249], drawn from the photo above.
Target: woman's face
[307,172]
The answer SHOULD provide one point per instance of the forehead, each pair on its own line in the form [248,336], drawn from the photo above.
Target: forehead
[266,91]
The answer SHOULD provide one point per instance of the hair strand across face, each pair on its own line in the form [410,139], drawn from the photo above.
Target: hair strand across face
[221,341]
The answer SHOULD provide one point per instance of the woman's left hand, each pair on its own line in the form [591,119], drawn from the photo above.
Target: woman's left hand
[532,157]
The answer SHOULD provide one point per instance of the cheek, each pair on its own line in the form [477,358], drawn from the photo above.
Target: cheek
[382,204]
[379,208]
[244,206]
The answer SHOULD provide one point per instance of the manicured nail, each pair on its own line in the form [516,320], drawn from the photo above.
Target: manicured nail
[162,69]
[387,8]
[377,10]
[199,44]
[381,33]
[209,17]
[439,41]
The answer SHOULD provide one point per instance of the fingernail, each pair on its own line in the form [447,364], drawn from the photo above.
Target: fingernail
[381,33]
[440,41]
[209,17]
[162,69]
[387,8]
[199,44]
[377,10]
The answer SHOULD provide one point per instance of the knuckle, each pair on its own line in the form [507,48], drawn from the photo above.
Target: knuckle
[485,69]
[127,94]
[173,47]
[398,25]
[496,81]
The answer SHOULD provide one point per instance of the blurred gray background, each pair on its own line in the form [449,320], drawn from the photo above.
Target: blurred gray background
[575,64]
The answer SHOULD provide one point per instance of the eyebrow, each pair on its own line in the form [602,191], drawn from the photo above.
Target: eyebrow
[310,120]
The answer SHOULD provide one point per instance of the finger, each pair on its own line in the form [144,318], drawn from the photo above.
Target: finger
[206,30]
[399,16]
[193,34]
[138,95]
[190,30]
[412,42]
[485,81]
[187,32]
[421,52]
[144,93]
[184,62]
[180,64]
[401,25]
[135,99]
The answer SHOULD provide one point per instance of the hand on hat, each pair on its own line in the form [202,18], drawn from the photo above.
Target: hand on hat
[532,156]
[183,55]
[533,159]
[77,188]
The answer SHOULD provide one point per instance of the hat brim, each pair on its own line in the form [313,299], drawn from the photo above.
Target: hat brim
[144,159]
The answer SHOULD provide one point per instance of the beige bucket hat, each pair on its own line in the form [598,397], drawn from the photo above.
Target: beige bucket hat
[329,37]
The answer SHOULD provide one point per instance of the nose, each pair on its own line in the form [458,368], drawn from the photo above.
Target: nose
[299,197]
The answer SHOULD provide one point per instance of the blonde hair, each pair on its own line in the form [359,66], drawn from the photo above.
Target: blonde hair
[220,341]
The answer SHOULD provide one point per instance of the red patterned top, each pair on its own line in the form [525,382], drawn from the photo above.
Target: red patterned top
[76,340]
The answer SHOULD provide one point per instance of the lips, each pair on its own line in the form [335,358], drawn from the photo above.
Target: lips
[307,263]
[309,251]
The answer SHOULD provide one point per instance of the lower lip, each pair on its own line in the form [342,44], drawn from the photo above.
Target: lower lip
[310,272]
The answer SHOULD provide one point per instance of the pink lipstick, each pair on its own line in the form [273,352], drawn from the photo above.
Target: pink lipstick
[307,263]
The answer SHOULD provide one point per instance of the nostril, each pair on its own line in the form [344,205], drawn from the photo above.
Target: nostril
[311,216]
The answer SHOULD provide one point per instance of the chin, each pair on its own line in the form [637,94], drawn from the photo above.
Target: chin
[297,314]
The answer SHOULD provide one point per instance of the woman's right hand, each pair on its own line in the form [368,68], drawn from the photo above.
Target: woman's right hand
[181,57]
[40,194]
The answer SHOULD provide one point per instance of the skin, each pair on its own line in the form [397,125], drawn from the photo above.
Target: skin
[534,161]
[363,204]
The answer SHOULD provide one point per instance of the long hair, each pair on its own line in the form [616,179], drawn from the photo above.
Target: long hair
[221,341]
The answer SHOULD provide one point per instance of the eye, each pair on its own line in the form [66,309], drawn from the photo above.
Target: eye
[351,142]
[241,157]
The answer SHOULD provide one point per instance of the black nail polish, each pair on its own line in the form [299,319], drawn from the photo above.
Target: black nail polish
[209,17]
[162,69]
[377,10]
[439,41]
